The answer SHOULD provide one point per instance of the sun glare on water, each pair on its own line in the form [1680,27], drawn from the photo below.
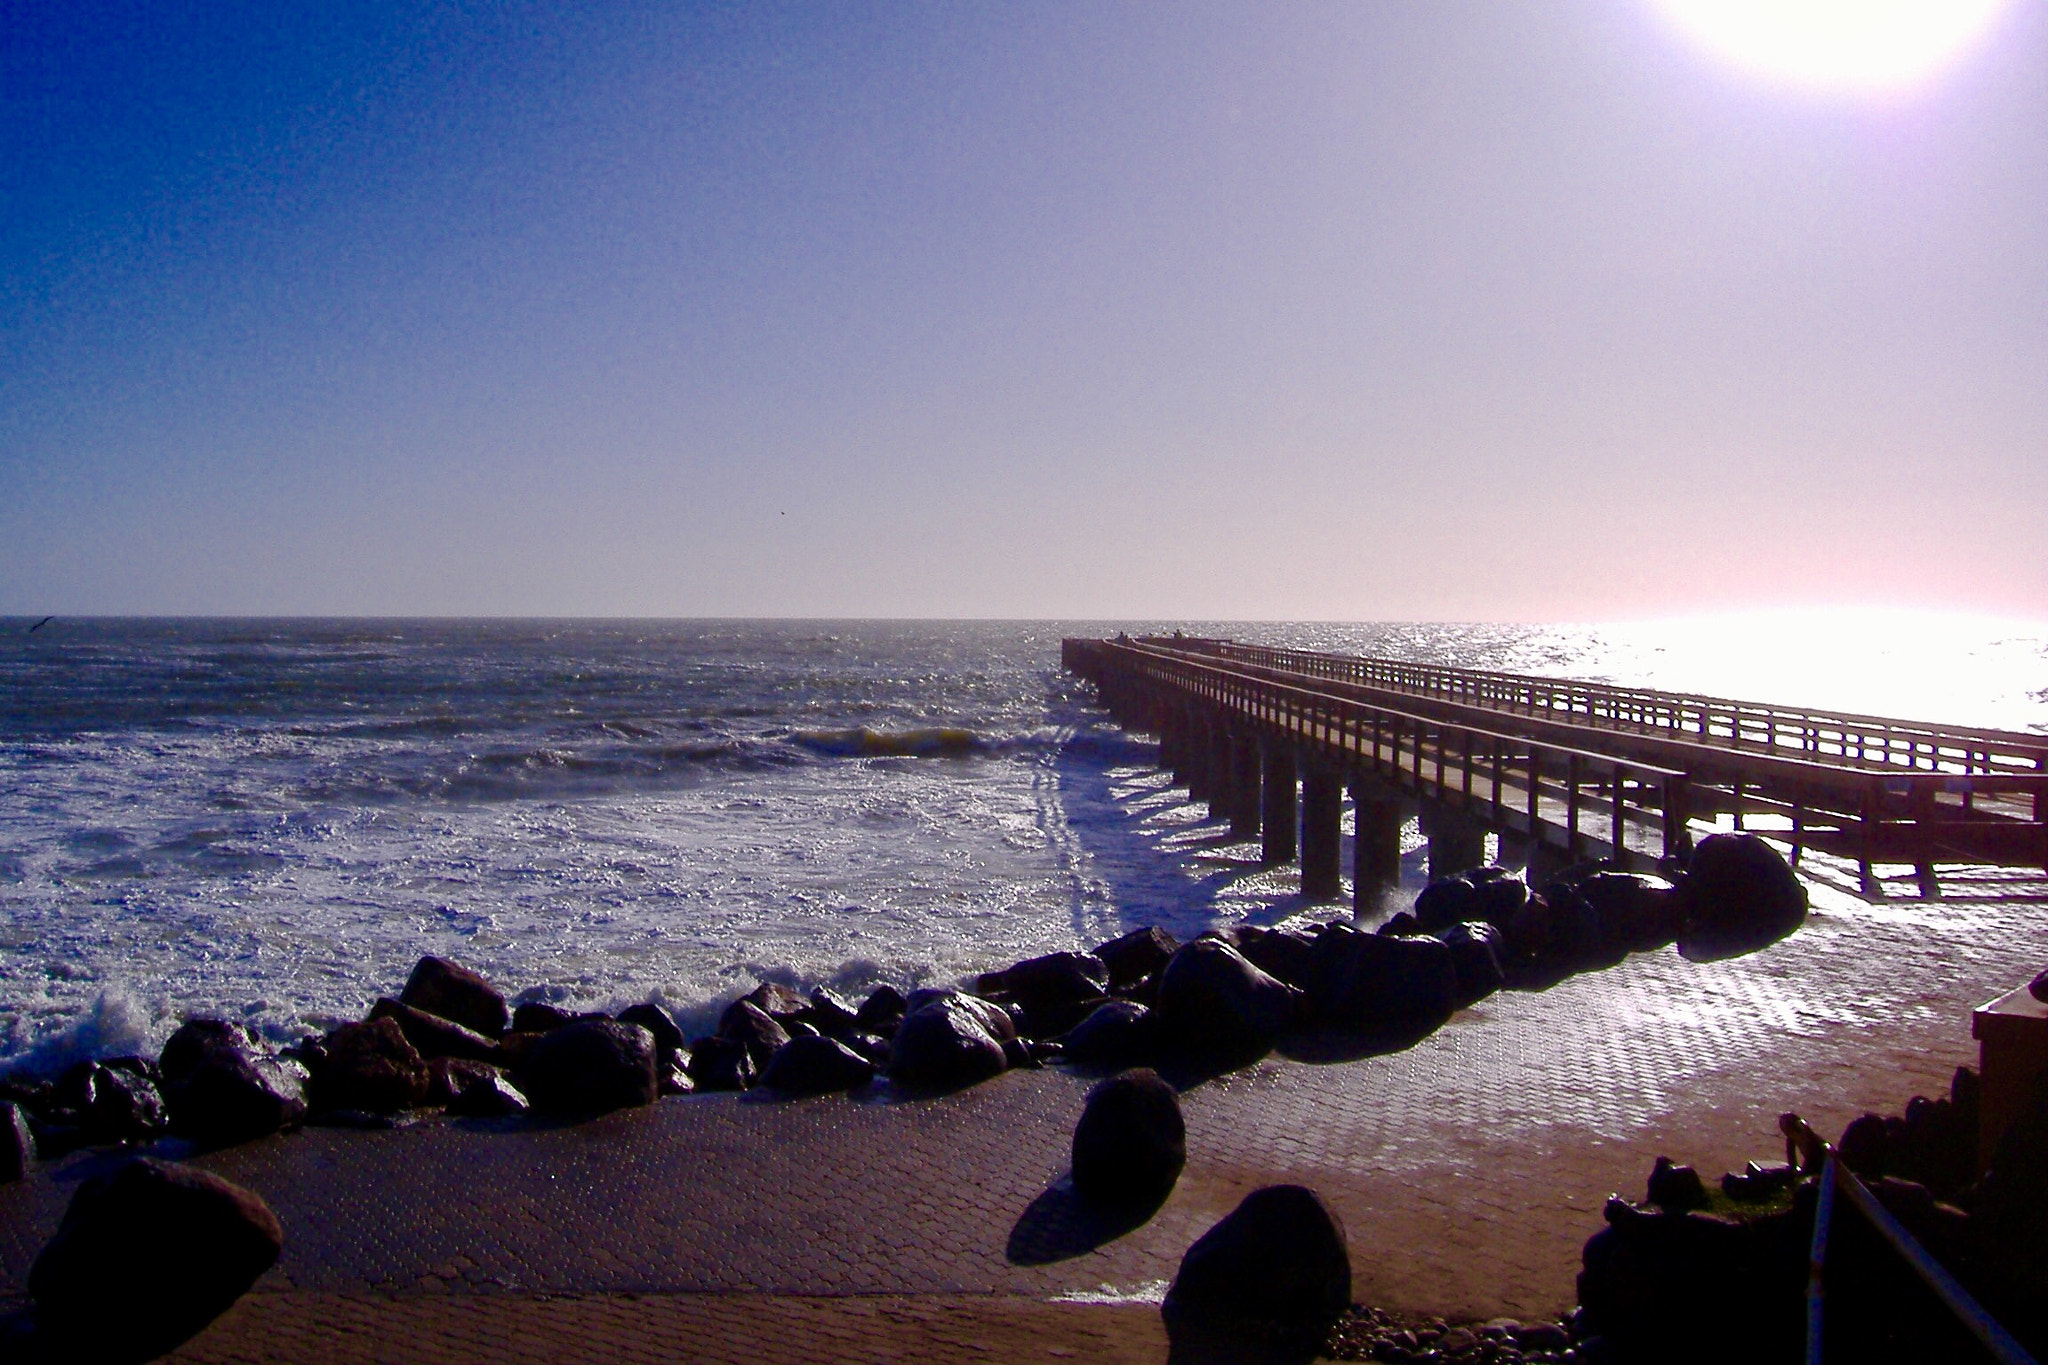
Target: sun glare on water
[1867,45]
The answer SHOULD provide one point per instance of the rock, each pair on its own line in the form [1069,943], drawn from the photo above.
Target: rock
[1054,992]
[370,1067]
[1277,1266]
[1636,913]
[1283,954]
[748,1025]
[948,1043]
[1212,1000]
[1132,957]
[675,1078]
[1475,947]
[17,1148]
[1401,924]
[815,1066]
[1738,895]
[830,1015]
[1694,1287]
[146,1256]
[881,1012]
[1541,1336]
[118,1104]
[718,1063]
[591,1066]
[2038,987]
[489,1096]
[1131,1142]
[1373,985]
[222,1087]
[1865,1147]
[448,1077]
[538,1018]
[1572,936]
[1446,901]
[457,994]
[1674,1188]
[1116,1033]
[1497,895]
[777,1001]
[432,1036]
[668,1039]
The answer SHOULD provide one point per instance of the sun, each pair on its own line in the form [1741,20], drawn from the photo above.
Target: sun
[1837,44]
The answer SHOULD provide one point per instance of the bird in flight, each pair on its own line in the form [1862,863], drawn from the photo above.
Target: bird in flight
[40,624]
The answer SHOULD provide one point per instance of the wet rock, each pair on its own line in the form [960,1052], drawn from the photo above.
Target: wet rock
[1369,984]
[433,1036]
[950,1042]
[1497,894]
[1053,992]
[881,1012]
[779,1002]
[816,1066]
[1675,1188]
[1738,895]
[1694,1287]
[456,993]
[369,1067]
[2038,987]
[1211,1000]
[117,1104]
[147,1255]
[1475,947]
[591,1066]
[448,1077]
[1131,1143]
[534,1017]
[222,1087]
[1276,1266]
[1400,925]
[1866,1146]
[668,1039]
[1116,1033]
[17,1148]
[718,1063]
[1132,957]
[830,1015]
[675,1077]
[489,1096]
[750,1026]
[1561,932]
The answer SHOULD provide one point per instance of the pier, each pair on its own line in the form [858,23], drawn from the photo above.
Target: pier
[1561,771]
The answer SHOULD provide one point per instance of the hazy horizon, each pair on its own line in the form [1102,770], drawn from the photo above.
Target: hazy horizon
[1405,312]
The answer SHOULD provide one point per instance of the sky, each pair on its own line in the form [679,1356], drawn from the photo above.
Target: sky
[1403,310]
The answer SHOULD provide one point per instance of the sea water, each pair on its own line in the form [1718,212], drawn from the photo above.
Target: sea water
[272,820]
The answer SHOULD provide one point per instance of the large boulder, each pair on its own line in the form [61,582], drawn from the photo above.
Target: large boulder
[779,1002]
[1739,894]
[668,1038]
[1055,991]
[950,1042]
[591,1066]
[831,1015]
[1446,901]
[223,1087]
[1696,1287]
[1131,1142]
[1283,954]
[1476,948]
[721,1063]
[1636,913]
[747,1024]
[881,1012]
[115,1102]
[489,1096]
[815,1065]
[369,1067]
[1372,984]
[1276,1267]
[1116,1033]
[1211,999]
[1132,957]
[146,1256]
[456,993]
[433,1036]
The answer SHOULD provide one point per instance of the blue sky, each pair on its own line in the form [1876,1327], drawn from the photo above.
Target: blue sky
[1404,310]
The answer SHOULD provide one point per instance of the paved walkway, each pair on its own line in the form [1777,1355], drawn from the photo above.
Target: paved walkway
[1469,1171]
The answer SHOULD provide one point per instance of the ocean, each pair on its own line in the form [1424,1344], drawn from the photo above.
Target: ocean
[271,820]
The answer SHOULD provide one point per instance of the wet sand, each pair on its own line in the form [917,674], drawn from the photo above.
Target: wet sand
[1469,1170]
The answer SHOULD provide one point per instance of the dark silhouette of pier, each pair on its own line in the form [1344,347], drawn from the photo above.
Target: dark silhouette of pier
[1562,771]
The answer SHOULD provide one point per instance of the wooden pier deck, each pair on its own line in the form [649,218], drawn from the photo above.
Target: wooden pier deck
[1561,770]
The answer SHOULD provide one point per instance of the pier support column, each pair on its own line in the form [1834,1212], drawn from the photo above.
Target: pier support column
[1201,781]
[1173,734]
[1456,842]
[1276,813]
[1375,849]
[1222,772]
[1322,833]
[1245,786]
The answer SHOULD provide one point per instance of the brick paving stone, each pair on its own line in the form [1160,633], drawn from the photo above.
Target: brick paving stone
[1469,1169]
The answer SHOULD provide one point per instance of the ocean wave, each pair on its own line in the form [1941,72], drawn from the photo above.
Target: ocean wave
[932,741]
